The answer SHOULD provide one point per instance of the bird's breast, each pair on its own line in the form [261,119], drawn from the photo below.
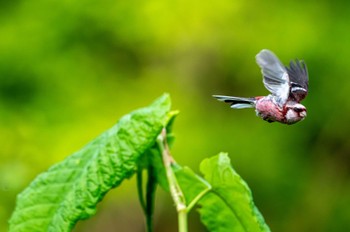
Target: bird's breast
[268,110]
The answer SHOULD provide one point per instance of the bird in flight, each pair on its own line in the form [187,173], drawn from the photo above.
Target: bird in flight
[288,87]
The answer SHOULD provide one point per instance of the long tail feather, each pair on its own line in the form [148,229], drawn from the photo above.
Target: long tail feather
[237,102]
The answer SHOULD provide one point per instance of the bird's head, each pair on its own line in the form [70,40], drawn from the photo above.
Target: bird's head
[295,112]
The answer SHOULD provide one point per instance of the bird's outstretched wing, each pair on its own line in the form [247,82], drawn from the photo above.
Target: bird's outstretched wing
[299,80]
[275,75]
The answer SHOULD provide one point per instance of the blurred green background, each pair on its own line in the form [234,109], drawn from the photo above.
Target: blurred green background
[70,69]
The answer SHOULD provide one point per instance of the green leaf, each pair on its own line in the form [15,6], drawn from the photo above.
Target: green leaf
[229,206]
[226,203]
[70,190]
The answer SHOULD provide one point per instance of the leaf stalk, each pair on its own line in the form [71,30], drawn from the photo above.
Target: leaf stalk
[175,190]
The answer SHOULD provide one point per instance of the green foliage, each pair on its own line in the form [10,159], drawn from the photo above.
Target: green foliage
[226,202]
[229,205]
[70,190]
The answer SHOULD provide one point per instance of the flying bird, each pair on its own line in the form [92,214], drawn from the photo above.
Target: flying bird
[288,87]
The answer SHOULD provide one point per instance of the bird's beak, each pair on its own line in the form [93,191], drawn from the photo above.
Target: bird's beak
[303,114]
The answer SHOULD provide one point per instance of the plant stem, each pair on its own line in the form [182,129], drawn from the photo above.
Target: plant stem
[197,198]
[174,187]
[182,217]
[148,203]
[140,189]
[150,195]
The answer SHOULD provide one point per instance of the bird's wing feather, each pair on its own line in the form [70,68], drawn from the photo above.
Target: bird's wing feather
[299,80]
[275,75]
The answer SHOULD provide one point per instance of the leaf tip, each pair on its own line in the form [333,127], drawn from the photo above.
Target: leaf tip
[163,99]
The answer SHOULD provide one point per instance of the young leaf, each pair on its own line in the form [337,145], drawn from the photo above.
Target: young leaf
[229,206]
[70,190]
[225,201]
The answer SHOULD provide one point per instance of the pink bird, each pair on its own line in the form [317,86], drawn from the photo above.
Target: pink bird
[288,87]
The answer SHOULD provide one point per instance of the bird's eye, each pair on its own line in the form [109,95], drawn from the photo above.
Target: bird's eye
[298,109]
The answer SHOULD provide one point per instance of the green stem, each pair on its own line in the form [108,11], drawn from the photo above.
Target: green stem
[182,217]
[148,203]
[150,195]
[140,189]
[174,187]
[197,198]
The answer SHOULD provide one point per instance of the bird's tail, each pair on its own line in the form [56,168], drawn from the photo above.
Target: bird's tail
[237,102]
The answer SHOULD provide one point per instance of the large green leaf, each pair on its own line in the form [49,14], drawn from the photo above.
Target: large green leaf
[226,204]
[229,206]
[70,190]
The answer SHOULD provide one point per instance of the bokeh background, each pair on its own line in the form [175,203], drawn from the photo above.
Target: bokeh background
[70,69]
